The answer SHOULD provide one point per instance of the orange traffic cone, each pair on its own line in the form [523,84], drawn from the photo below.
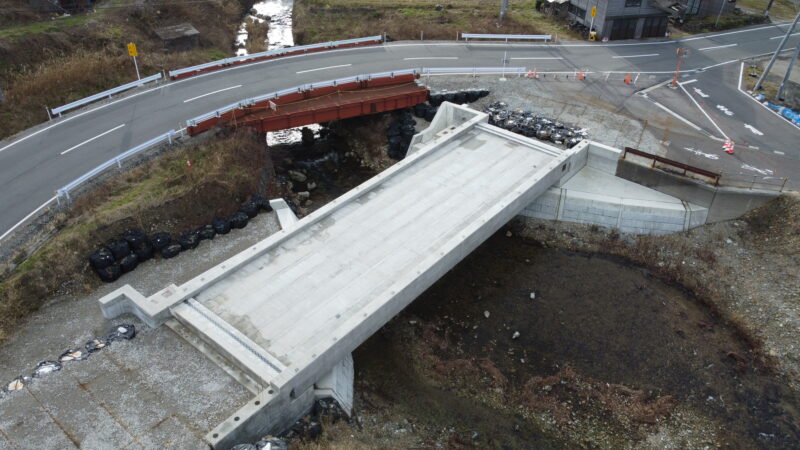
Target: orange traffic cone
[628,78]
[580,76]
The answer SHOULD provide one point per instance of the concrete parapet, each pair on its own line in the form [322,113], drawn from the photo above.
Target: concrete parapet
[449,119]
[603,158]
[338,385]
[286,217]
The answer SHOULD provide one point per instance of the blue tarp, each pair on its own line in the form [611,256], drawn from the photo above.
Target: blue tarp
[790,114]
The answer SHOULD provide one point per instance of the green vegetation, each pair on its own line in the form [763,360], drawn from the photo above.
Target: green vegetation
[47,26]
[781,9]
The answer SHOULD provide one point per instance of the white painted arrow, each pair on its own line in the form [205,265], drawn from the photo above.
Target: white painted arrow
[727,111]
[701,93]
[753,129]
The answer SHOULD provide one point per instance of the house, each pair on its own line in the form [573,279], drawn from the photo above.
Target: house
[633,19]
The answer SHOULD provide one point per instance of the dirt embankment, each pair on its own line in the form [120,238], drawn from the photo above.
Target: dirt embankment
[323,20]
[50,62]
[162,195]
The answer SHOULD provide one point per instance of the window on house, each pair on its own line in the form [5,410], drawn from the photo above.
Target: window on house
[633,3]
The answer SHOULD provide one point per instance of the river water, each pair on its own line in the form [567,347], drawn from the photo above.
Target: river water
[279,15]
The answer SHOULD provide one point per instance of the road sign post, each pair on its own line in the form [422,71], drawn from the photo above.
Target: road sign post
[594,14]
[134,53]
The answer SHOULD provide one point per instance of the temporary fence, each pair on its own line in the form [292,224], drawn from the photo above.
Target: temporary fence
[507,37]
[105,94]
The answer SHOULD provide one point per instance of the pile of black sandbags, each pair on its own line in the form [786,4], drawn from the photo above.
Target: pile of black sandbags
[532,125]
[123,254]
[399,134]
[457,97]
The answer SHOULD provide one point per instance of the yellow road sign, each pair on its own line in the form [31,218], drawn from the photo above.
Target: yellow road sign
[132,49]
[594,11]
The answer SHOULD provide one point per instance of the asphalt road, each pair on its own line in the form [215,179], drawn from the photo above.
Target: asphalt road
[38,162]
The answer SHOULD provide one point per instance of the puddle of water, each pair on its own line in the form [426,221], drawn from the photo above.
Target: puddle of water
[279,15]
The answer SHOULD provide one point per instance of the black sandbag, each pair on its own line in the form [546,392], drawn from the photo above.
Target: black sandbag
[134,237]
[129,262]
[171,251]
[189,240]
[206,232]
[250,208]
[238,220]
[122,332]
[143,251]
[119,248]
[435,99]
[101,259]
[222,225]
[459,98]
[160,240]
[419,109]
[429,114]
[262,203]
[449,97]
[393,130]
[110,273]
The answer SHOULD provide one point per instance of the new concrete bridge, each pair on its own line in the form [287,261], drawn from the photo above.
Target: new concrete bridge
[287,312]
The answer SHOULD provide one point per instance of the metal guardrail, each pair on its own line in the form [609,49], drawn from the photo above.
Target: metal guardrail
[64,191]
[297,89]
[506,37]
[104,94]
[275,52]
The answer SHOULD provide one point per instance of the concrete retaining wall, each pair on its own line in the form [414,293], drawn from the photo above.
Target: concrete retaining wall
[723,203]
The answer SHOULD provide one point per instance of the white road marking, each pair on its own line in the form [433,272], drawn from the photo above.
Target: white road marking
[324,68]
[542,57]
[677,116]
[727,111]
[688,82]
[700,93]
[717,46]
[781,36]
[778,153]
[756,169]
[91,139]
[430,57]
[753,129]
[212,93]
[26,218]
[699,153]
[704,112]
[634,56]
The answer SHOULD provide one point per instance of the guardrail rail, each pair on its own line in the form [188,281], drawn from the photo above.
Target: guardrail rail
[105,94]
[506,37]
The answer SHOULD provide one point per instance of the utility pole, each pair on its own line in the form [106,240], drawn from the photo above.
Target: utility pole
[719,14]
[788,72]
[503,9]
[775,56]
[769,5]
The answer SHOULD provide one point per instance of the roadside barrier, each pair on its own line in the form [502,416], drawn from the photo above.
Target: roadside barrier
[64,191]
[215,65]
[102,95]
[506,37]
[474,71]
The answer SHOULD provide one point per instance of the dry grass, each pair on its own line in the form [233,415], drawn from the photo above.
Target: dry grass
[781,9]
[89,55]
[163,193]
[256,35]
[321,20]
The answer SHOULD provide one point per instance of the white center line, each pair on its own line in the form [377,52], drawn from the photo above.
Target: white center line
[717,46]
[688,82]
[781,36]
[431,57]
[212,93]
[704,112]
[91,139]
[635,56]
[324,68]
[542,57]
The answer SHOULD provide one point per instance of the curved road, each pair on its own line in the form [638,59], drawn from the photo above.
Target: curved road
[38,162]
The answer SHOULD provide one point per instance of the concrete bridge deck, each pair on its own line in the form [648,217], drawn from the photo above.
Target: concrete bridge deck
[288,310]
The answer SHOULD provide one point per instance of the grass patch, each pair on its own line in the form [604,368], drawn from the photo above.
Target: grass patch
[163,194]
[47,26]
[781,9]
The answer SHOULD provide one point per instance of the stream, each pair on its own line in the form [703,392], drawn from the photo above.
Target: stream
[279,15]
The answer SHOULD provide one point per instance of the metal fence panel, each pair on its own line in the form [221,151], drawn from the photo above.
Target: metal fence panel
[506,37]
